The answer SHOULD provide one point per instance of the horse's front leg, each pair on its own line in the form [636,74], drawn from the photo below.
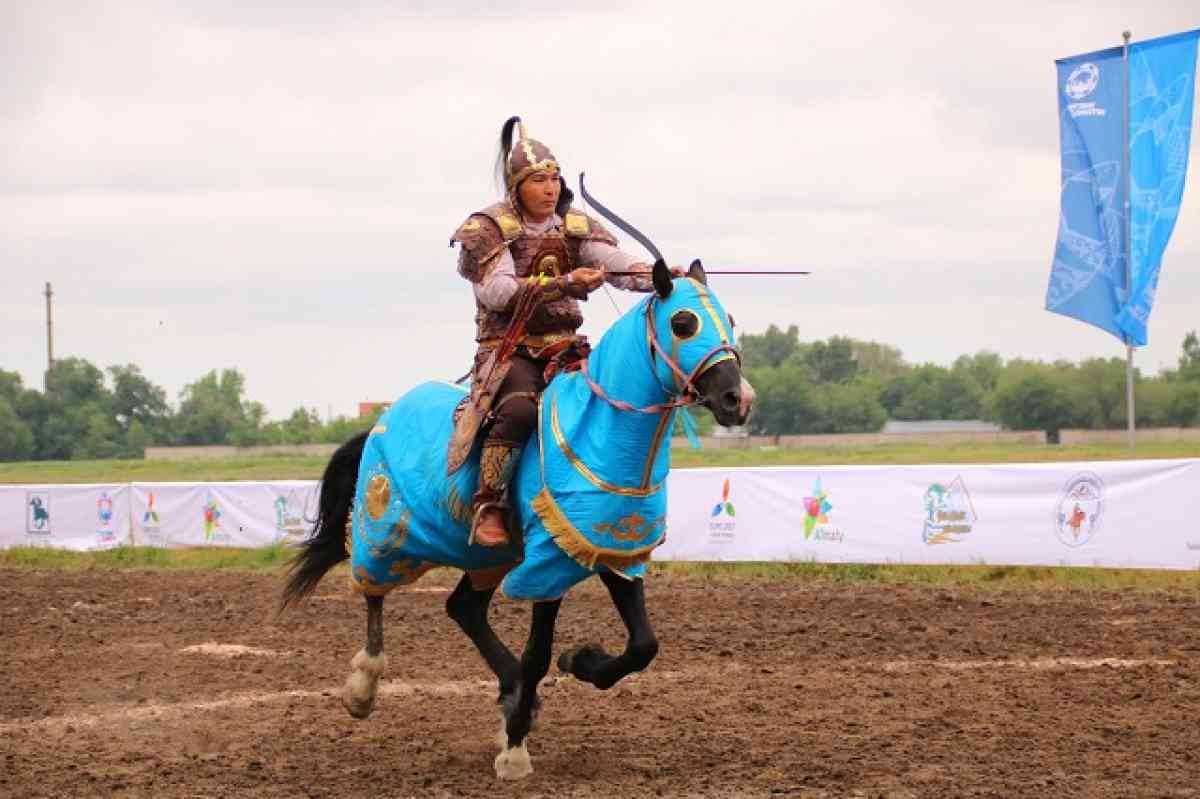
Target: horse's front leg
[591,663]
[518,706]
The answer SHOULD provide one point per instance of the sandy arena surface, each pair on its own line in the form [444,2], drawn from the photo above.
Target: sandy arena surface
[185,685]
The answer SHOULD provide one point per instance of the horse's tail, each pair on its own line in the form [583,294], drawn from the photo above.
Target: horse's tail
[326,547]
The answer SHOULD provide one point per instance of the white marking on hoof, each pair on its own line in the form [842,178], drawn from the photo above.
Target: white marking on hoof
[359,694]
[513,763]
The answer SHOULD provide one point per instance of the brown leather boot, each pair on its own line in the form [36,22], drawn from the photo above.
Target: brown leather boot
[496,465]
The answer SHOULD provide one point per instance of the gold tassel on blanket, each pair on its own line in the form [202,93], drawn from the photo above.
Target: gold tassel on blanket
[583,551]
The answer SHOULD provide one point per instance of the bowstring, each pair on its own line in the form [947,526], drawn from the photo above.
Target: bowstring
[607,293]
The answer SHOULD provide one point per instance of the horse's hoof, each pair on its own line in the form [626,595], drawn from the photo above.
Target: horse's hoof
[513,764]
[357,708]
[566,661]
[358,695]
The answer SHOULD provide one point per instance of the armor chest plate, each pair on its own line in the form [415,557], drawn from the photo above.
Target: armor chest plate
[548,254]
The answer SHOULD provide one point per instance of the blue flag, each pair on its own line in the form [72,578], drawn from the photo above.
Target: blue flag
[1161,89]
[1087,281]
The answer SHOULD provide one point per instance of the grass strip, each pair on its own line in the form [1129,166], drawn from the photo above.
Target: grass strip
[311,468]
[271,559]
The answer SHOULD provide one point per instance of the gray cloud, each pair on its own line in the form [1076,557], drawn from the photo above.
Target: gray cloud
[210,184]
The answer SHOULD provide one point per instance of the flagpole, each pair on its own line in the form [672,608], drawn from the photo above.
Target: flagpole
[1129,406]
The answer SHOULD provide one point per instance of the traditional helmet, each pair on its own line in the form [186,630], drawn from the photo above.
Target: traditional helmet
[520,160]
[525,157]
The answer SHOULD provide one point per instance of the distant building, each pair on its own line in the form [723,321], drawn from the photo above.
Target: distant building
[365,409]
[941,426]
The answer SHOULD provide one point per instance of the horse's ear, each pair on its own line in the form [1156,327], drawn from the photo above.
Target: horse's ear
[696,272]
[662,279]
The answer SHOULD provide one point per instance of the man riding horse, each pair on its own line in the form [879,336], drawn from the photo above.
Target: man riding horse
[531,259]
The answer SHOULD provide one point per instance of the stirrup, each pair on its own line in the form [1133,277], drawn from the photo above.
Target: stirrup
[479,511]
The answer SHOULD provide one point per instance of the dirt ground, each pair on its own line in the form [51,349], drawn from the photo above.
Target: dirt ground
[184,685]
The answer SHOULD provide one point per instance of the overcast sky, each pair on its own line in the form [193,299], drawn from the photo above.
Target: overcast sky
[271,185]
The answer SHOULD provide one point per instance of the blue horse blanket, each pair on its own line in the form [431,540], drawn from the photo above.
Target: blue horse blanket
[409,517]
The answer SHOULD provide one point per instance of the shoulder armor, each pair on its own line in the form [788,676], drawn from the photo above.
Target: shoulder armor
[579,225]
[481,237]
[506,219]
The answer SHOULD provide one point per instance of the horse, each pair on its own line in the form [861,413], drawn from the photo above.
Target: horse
[589,498]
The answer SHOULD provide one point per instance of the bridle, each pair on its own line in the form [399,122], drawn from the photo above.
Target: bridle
[685,383]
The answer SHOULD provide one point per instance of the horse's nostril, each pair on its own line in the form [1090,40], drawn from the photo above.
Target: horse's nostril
[730,400]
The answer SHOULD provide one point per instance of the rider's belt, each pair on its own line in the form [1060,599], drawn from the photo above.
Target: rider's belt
[538,345]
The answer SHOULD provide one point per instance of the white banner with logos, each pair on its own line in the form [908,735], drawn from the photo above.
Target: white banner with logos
[65,516]
[1136,514]
[1143,514]
[242,514]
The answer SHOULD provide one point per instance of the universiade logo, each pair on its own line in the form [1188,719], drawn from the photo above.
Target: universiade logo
[105,536]
[1082,81]
[1080,84]
[816,517]
[722,522]
[1080,510]
[949,512]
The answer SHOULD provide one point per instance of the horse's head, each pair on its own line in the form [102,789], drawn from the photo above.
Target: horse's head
[693,345]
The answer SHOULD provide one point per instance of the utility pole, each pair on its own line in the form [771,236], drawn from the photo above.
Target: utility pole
[49,337]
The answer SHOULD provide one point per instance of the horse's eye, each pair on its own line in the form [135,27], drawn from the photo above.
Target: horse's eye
[685,324]
[732,325]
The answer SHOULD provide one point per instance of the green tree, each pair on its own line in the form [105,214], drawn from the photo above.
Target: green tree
[1103,384]
[1034,398]
[930,391]
[343,428]
[1183,406]
[75,381]
[771,348]
[879,360]
[1189,361]
[983,369]
[212,410]
[785,403]
[847,408]
[1153,402]
[11,386]
[135,398]
[831,361]
[74,418]
[16,437]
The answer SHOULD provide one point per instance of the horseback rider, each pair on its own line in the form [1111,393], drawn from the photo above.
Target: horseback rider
[531,258]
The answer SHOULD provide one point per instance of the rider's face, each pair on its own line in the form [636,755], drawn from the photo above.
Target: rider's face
[538,194]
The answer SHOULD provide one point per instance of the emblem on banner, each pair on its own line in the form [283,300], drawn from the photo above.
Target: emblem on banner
[816,517]
[949,512]
[719,531]
[289,518]
[213,533]
[1080,510]
[105,536]
[1082,81]
[37,513]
